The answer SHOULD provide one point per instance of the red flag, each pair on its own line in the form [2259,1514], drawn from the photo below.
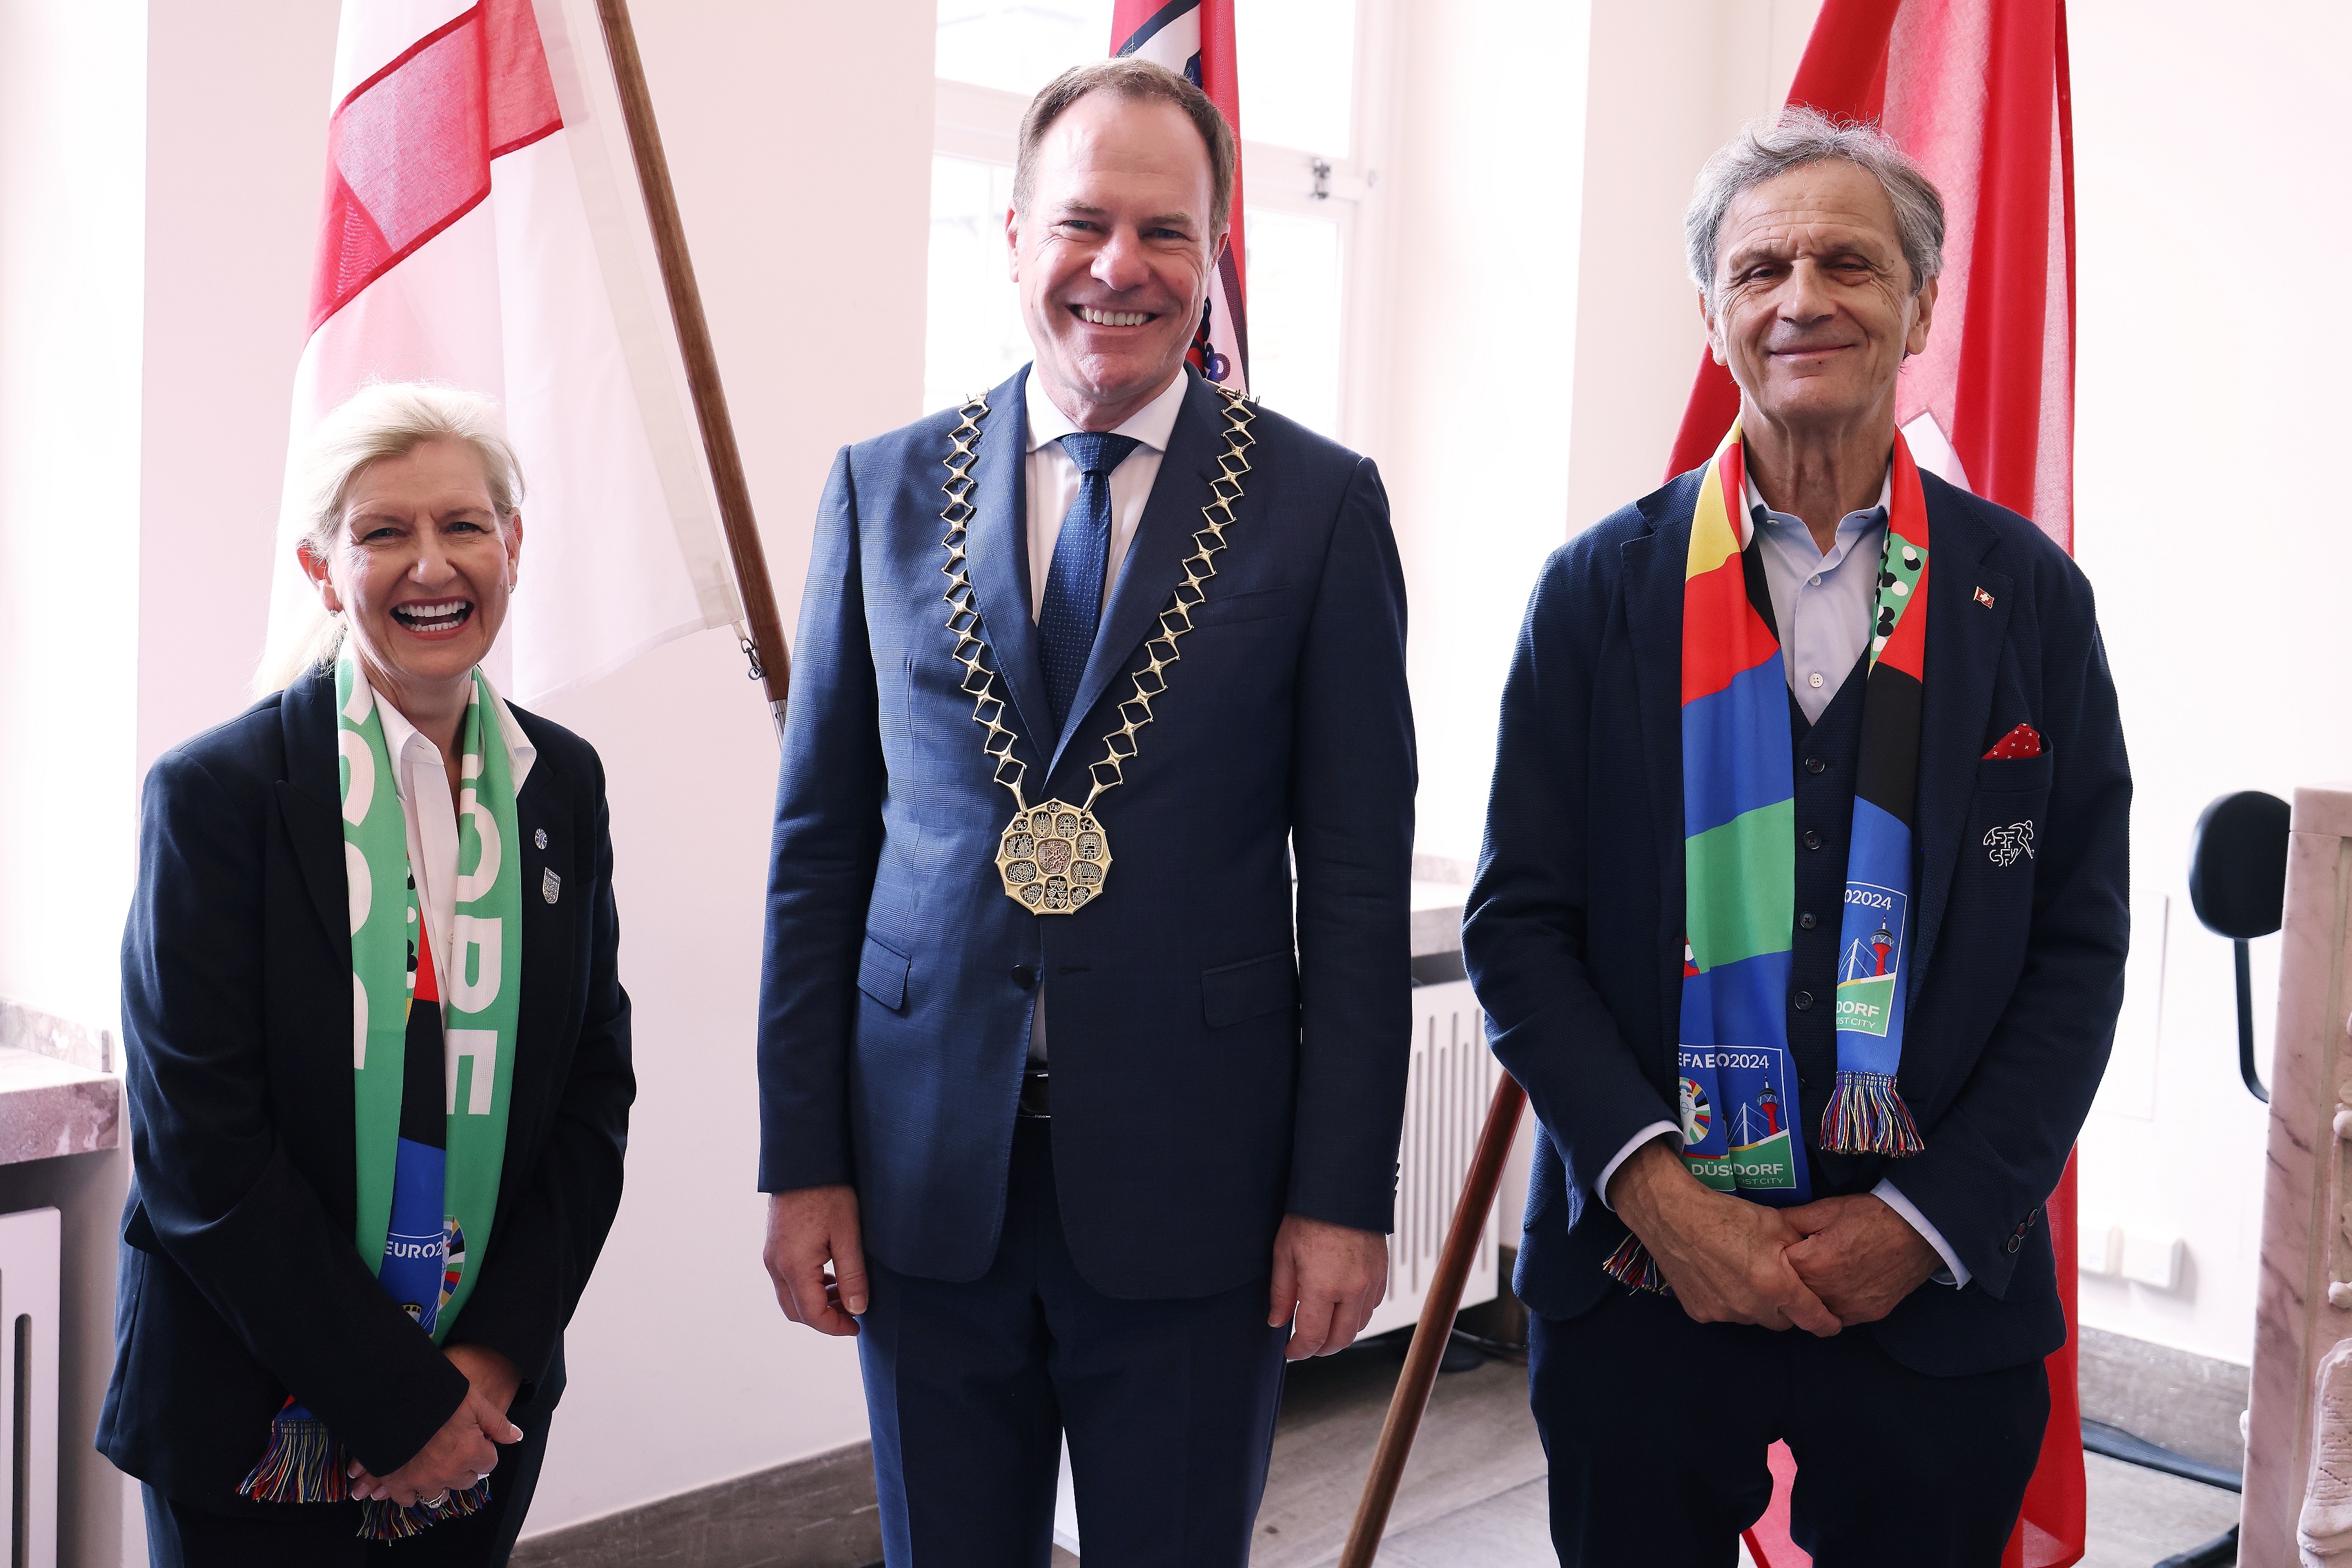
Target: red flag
[1195,39]
[1977,91]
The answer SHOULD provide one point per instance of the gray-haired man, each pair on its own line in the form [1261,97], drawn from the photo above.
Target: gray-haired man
[1802,921]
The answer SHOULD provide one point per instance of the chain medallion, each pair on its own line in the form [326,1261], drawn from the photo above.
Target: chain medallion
[1054,858]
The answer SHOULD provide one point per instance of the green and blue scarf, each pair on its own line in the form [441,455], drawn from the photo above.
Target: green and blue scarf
[431,1075]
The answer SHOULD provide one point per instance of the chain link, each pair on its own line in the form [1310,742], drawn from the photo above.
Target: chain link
[979,682]
[1160,650]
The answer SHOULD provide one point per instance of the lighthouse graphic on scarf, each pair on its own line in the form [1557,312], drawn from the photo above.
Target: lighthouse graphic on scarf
[1874,950]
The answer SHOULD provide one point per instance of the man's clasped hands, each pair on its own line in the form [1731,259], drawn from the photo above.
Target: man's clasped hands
[1823,1267]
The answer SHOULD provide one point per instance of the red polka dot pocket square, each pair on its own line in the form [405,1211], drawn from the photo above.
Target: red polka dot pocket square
[2024,740]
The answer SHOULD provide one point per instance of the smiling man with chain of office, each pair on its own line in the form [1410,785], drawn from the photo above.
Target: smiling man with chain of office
[1064,1113]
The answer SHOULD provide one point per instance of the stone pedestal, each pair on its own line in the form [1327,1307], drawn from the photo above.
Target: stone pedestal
[2304,1308]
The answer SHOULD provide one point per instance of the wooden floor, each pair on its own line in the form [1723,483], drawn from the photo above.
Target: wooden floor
[1473,1494]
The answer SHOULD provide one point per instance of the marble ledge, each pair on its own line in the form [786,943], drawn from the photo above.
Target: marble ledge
[1437,917]
[2324,809]
[49,1108]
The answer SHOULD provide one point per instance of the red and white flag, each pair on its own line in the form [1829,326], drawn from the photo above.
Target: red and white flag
[1977,91]
[482,225]
[1194,39]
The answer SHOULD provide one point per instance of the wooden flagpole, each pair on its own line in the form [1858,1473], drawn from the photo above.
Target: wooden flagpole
[764,647]
[1436,1325]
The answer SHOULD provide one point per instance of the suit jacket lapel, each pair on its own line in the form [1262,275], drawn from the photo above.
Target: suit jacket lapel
[1155,559]
[543,804]
[1965,637]
[997,543]
[1655,565]
[310,796]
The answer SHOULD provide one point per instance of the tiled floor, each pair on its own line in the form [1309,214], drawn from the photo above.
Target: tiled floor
[1473,1495]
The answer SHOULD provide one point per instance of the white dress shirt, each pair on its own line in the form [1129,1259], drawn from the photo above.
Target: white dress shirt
[420,778]
[1823,603]
[1052,487]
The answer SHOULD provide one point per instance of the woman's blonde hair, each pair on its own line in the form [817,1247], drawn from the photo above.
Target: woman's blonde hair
[382,419]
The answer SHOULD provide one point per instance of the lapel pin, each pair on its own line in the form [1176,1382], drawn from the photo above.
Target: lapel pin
[1984,598]
[550,884]
[540,838]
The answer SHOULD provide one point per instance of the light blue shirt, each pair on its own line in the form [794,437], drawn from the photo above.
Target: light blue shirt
[1821,603]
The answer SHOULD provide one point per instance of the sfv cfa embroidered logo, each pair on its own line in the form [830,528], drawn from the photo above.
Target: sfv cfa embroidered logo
[2007,845]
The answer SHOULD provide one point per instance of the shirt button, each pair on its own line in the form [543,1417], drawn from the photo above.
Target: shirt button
[1806,921]
[1817,582]
[1024,976]
[1814,680]
[1815,765]
[1812,840]
[1801,1000]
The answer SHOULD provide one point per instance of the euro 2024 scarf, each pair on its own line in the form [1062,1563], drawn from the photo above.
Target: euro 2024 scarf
[430,1075]
[1737,1096]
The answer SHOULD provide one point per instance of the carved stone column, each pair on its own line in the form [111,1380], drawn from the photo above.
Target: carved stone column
[2298,1497]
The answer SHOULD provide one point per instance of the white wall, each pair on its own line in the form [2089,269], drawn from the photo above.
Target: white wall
[72,126]
[1672,81]
[1482,226]
[72,121]
[2208,406]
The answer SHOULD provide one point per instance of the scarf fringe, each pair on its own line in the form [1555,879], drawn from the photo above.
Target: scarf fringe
[303,1463]
[1631,1266]
[382,1521]
[1865,1115]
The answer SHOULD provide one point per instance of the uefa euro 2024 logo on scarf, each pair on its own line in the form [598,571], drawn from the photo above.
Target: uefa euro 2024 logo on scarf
[1867,969]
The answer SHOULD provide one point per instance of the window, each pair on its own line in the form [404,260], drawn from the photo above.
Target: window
[1304,184]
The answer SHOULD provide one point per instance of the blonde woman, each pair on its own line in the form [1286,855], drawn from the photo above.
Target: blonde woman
[378,1050]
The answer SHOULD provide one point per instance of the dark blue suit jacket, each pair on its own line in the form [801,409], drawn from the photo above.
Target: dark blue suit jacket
[1574,929]
[240,1282]
[1212,1067]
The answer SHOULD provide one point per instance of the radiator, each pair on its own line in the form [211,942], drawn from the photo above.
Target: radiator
[28,1385]
[1452,1079]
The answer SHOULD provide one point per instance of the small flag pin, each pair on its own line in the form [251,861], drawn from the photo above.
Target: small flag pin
[1984,598]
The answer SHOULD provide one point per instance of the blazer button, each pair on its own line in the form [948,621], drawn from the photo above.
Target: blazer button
[1812,840]
[2014,1242]
[1806,921]
[1815,765]
[1801,1000]
[1024,976]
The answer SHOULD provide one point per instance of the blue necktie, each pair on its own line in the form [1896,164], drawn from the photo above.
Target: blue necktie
[1074,587]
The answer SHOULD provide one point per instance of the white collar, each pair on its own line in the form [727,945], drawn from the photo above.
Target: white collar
[1152,423]
[398,732]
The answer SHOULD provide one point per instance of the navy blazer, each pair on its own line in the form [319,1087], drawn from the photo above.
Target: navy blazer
[1211,1067]
[1574,930]
[240,1282]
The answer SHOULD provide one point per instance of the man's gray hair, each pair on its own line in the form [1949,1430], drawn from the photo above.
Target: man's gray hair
[1764,152]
